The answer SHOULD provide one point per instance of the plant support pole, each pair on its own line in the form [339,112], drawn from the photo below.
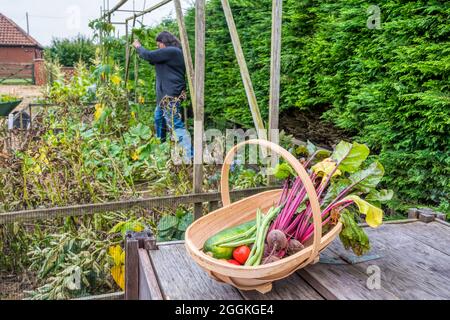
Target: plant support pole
[186,49]
[199,100]
[256,114]
[275,73]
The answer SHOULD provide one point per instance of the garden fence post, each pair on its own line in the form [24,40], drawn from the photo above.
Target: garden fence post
[275,70]
[199,101]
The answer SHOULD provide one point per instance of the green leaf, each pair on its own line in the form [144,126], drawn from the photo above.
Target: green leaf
[367,180]
[380,196]
[179,235]
[185,222]
[322,155]
[374,215]
[117,227]
[353,236]
[167,222]
[335,188]
[350,156]
[166,235]
[311,147]
[283,171]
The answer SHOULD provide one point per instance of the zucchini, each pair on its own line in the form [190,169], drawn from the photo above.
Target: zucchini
[219,252]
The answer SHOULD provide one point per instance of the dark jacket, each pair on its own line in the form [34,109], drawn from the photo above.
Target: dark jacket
[170,70]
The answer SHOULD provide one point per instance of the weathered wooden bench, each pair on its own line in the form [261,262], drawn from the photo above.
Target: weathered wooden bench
[409,260]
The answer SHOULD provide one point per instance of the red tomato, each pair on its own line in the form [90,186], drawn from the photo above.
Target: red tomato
[240,254]
[232,261]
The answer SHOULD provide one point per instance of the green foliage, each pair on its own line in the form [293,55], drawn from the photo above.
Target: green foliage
[352,235]
[69,51]
[173,227]
[8,98]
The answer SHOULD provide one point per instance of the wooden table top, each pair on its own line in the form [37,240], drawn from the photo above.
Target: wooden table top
[409,261]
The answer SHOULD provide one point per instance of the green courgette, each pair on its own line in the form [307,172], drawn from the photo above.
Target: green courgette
[212,246]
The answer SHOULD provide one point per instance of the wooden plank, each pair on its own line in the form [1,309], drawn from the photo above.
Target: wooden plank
[409,269]
[131,269]
[90,209]
[290,288]
[342,282]
[275,70]
[432,234]
[253,103]
[148,284]
[186,49]
[107,296]
[445,223]
[200,34]
[180,278]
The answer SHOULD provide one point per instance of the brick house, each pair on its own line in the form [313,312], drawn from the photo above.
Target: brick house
[18,51]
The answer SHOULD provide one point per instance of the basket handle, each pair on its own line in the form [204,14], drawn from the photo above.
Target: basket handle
[303,175]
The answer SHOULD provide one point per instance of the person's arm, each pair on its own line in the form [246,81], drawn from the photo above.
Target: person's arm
[153,56]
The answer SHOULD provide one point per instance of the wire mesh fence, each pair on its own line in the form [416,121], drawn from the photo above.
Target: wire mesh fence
[76,252]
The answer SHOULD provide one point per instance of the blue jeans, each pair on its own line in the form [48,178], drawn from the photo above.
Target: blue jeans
[170,118]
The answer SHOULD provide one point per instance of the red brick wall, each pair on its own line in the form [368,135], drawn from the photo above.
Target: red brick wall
[40,76]
[19,55]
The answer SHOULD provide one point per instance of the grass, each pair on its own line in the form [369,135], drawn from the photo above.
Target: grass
[16,82]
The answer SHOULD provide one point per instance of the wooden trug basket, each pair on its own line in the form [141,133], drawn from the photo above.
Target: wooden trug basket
[258,278]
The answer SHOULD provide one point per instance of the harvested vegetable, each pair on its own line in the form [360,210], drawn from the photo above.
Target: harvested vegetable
[340,181]
[232,261]
[240,254]
[277,240]
[262,228]
[294,246]
[214,244]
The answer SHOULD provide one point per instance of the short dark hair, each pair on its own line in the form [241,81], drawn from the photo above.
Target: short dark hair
[168,39]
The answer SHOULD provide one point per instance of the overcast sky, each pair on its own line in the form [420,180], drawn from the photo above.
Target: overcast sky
[67,18]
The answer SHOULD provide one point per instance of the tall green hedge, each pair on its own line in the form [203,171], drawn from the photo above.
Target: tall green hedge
[388,87]
[69,51]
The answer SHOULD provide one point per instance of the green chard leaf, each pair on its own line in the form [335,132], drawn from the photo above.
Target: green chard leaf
[353,236]
[336,187]
[350,156]
[380,196]
[167,222]
[283,171]
[367,180]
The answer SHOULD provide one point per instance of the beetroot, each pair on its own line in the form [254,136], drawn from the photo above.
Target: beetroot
[294,246]
[277,240]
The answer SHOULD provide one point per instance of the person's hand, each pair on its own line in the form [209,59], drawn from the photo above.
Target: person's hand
[136,44]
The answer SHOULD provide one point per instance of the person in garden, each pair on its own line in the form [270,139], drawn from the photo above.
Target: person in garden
[170,88]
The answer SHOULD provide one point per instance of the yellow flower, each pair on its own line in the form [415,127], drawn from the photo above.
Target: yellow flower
[138,227]
[133,114]
[116,253]
[141,100]
[118,274]
[116,80]
[135,156]
[98,111]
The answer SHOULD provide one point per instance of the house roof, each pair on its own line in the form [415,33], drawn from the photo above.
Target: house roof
[13,35]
